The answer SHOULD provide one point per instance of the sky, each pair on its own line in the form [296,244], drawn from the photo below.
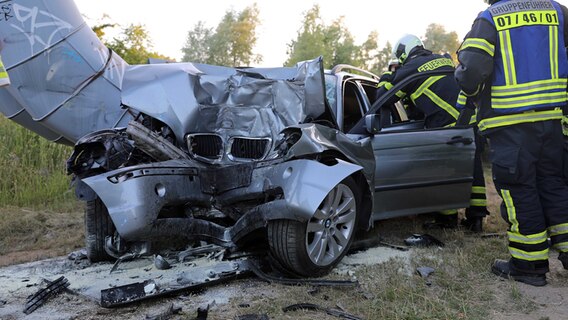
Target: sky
[169,21]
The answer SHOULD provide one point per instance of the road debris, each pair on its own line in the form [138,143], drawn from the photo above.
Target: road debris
[331,311]
[423,240]
[424,272]
[161,263]
[42,295]
[164,315]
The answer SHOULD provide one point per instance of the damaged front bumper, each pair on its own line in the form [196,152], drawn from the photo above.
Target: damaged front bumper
[134,196]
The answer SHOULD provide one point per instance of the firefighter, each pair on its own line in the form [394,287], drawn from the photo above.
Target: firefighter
[434,97]
[513,63]
[478,202]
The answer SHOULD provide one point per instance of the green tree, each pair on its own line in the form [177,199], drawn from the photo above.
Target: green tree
[196,48]
[134,45]
[231,44]
[334,42]
[310,42]
[438,40]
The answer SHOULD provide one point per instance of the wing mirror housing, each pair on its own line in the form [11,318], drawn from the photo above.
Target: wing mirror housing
[373,123]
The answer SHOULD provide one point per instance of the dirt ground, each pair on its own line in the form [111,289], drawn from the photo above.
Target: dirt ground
[237,298]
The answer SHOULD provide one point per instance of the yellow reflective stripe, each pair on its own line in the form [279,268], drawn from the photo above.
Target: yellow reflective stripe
[442,104]
[478,203]
[529,87]
[462,99]
[562,246]
[479,43]
[508,57]
[480,190]
[553,31]
[425,85]
[400,93]
[565,125]
[449,212]
[528,239]
[511,211]
[507,120]
[529,255]
[528,100]
[558,229]
[3,75]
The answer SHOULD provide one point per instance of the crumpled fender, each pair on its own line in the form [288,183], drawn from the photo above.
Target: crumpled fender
[306,183]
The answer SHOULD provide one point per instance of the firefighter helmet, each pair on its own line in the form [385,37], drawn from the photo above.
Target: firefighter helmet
[405,45]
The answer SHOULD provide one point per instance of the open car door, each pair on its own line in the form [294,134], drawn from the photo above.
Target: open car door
[417,170]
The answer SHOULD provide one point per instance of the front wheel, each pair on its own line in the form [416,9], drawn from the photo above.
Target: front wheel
[98,225]
[312,249]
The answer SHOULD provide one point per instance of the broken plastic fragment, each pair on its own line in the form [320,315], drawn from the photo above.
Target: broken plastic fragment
[161,263]
[423,240]
[424,271]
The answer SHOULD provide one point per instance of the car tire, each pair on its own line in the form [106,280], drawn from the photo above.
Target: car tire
[312,249]
[98,225]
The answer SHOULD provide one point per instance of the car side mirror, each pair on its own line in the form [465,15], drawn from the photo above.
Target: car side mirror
[373,123]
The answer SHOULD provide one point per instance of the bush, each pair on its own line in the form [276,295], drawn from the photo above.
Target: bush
[32,169]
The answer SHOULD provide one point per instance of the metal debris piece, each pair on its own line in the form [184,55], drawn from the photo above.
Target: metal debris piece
[191,253]
[310,306]
[161,263]
[126,257]
[424,272]
[78,255]
[313,282]
[364,244]
[164,315]
[423,240]
[41,296]
[202,313]
[196,279]
[123,294]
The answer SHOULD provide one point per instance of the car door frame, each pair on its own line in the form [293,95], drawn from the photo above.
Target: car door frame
[417,170]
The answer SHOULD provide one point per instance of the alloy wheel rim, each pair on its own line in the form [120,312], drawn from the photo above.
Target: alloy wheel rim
[329,230]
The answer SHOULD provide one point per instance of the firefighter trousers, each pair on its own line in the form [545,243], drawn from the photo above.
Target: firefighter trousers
[528,174]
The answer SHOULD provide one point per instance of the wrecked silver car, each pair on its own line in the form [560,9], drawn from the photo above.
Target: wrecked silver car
[295,160]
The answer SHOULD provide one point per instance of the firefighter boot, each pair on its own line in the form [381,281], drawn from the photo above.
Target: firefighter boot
[445,220]
[505,269]
[474,224]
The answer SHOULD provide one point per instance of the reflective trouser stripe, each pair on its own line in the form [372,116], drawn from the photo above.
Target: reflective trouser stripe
[449,212]
[532,116]
[508,57]
[562,246]
[478,203]
[558,229]
[511,211]
[529,256]
[478,198]
[553,31]
[528,239]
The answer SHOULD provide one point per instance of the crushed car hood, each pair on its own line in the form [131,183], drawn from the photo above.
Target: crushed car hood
[246,102]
